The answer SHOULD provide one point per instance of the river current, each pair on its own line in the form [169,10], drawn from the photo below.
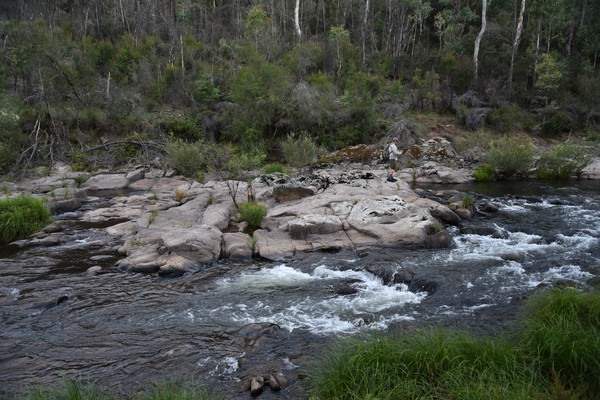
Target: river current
[124,330]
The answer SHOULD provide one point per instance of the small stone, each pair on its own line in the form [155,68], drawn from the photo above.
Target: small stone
[256,385]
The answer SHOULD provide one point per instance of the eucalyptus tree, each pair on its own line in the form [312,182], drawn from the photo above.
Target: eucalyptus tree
[484,4]
[516,41]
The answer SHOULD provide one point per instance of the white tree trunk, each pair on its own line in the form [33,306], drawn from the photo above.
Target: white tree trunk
[516,43]
[479,36]
[297,20]
[365,31]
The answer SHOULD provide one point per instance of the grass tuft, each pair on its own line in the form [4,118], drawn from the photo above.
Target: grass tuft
[21,216]
[253,213]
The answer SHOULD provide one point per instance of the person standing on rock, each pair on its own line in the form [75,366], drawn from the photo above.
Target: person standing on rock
[394,156]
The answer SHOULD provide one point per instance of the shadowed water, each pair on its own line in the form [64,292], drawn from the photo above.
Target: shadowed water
[126,330]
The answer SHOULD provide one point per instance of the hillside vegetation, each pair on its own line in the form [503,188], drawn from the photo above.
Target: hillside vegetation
[101,83]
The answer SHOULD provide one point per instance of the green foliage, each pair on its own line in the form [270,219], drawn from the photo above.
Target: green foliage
[504,118]
[458,70]
[558,123]
[563,332]
[21,216]
[511,155]
[304,58]
[260,89]
[188,159]
[69,389]
[253,213]
[427,91]
[274,167]
[11,137]
[555,355]
[233,164]
[299,151]
[468,202]
[181,127]
[428,364]
[548,75]
[485,172]
[204,91]
[563,161]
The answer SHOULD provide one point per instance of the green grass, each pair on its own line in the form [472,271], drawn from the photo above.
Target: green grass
[275,167]
[71,390]
[21,216]
[562,331]
[485,173]
[556,355]
[253,213]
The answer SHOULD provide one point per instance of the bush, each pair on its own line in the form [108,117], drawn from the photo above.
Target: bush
[188,159]
[21,216]
[485,172]
[253,213]
[184,128]
[560,122]
[505,118]
[511,155]
[300,151]
[563,161]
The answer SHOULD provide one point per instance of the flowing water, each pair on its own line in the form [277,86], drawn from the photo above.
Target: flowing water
[126,330]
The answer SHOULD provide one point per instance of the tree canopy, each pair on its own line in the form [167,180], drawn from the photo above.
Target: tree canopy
[252,72]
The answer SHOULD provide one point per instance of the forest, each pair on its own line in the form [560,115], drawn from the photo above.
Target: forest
[97,82]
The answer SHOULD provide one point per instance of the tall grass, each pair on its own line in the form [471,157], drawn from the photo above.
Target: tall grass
[431,364]
[72,390]
[555,356]
[21,216]
[562,331]
[253,213]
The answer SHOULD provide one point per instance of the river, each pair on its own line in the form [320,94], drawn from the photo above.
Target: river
[123,331]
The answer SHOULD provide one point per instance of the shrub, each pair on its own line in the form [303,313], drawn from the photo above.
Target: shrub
[180,127]
[186,158]
[559,122]
[253,213]
[505,118]
[21,216]
[300,151]
[511,155]
[563,161]
[485,172]
[274,167]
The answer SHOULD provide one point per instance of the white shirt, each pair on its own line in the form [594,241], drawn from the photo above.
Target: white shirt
[393,150]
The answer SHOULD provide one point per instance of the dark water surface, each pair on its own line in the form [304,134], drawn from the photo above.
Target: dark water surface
[123,331]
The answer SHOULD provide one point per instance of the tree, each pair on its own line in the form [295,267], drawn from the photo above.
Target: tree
[516,41]
[478,38]
[297,20]
[547,83]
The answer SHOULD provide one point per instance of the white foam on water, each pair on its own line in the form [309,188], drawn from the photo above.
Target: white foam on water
[320,313]
[568,272]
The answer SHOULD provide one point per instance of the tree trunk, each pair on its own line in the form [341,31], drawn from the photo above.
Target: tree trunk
[365,31]
[478,39]
[516,44]
[297,20]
